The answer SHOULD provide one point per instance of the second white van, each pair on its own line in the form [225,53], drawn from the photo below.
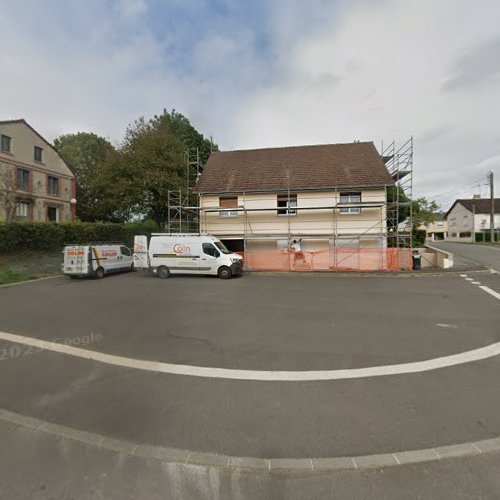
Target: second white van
[169,254]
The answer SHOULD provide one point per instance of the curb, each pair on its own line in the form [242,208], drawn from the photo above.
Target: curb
[17,283]
[185,457]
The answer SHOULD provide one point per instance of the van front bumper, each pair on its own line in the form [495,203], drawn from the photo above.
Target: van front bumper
[236,268]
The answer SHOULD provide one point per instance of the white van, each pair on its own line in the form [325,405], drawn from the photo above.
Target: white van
[185,253]
[96,259]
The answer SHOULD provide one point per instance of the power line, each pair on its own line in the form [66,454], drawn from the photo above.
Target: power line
[458,188]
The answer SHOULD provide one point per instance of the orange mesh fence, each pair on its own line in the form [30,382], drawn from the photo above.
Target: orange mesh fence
[336,259]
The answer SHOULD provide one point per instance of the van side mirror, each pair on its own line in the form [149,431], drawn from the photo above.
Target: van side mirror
[216,254]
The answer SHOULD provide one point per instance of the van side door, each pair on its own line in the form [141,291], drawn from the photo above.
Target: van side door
[209,256]
[127,259]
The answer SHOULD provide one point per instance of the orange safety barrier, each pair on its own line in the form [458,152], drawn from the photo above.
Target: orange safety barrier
[335,259]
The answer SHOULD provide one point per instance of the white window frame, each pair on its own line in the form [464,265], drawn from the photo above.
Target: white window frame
[226,212]
[290,208]
[21,207]
[352,197]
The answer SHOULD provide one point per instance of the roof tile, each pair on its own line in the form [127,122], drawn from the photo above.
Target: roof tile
[296,168]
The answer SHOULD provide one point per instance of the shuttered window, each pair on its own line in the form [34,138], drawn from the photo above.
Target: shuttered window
[228,202]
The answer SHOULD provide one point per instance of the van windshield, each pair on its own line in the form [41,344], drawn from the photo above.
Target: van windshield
[221,247]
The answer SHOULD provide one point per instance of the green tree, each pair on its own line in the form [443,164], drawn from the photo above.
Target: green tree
[152,164]
[424,212]
[192,140]
[87,155]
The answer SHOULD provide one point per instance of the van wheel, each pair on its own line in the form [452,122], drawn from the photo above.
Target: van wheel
[163,272]
[224,272]
[99,274]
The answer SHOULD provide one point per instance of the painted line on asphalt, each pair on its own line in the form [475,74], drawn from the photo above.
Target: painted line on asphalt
[489,290]
[189,458]
[482,353]
[486,289]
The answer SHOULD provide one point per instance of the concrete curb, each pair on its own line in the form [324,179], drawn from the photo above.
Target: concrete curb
[17,283]
[374,274]
[172,455]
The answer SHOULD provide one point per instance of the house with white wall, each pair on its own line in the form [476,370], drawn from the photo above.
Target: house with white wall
[329,196]
[468,216]
[35,182]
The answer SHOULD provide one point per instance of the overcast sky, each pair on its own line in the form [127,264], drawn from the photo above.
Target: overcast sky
[269,73]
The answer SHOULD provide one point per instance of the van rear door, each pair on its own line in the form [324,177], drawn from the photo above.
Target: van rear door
[76,260]
[141,260]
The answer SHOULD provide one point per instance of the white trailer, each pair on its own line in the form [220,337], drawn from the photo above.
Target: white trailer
[96,259]
[185,254]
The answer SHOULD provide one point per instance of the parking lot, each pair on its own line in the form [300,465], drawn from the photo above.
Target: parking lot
[262,367]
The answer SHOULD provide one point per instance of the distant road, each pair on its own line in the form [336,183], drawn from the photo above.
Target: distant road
[478,254]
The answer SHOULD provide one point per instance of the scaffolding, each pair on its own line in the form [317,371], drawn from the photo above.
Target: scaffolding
[182,204]
[382,222]
[399,163]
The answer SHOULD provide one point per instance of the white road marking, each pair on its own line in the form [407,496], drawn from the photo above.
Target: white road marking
[487,289]
[476,282]
[446,325]
[463,276]
[469,279]
[262,375]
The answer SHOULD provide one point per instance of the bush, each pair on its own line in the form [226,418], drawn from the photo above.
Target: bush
[486,237]
[419,236]
[42,236]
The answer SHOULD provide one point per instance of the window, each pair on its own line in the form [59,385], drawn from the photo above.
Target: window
[22,209]
[228,202]
[52,214]
[222,247]
[53,185]
[37,154]
[5,143]
[125,251]
[287,204]
[23,179]
[350,198]
[209,249]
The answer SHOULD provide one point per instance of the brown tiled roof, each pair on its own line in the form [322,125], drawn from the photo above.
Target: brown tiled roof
[297,168]
[481,205]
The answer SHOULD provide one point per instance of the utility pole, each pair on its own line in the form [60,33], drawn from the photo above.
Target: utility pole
[492,213]
[473,222]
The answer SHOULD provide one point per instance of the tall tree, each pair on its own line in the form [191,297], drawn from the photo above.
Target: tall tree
[87,155]
[153,164]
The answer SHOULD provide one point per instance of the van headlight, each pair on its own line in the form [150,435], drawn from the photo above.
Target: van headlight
[235,259]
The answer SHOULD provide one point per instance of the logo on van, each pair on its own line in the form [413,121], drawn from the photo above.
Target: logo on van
[180,248]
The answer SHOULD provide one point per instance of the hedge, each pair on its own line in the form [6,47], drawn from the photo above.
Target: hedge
[41,236]
[485,237]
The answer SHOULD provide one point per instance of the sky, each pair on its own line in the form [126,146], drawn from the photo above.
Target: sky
[269,73]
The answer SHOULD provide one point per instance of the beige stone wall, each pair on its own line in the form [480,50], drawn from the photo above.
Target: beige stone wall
[23,141]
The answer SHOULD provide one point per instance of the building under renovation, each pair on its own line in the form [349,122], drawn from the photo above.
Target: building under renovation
[332,199]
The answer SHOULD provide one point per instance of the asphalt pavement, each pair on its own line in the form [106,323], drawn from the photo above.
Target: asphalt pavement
[486,255]
[255,324]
